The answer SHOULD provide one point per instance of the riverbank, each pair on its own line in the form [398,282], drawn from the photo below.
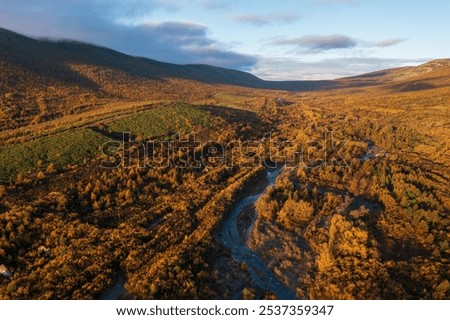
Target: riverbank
[230,238]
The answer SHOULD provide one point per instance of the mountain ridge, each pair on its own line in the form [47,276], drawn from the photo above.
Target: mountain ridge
[69,51]
[42,80]
[81,52]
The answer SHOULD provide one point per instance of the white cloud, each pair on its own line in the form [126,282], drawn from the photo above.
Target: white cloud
[387,43]
[318,43]
[326,69]
[268,19]
[252,19]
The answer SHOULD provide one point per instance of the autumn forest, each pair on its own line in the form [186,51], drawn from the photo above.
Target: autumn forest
[303,190]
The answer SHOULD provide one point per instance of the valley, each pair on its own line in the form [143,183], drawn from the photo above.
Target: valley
[229,186]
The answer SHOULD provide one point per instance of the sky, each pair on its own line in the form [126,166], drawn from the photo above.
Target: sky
[275,40]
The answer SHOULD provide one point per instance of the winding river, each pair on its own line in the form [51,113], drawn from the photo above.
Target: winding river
[259,272]
[231,239]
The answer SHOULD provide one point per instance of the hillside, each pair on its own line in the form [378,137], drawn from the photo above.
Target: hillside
[43,80]
[125,177]
[53,59]
[430,75]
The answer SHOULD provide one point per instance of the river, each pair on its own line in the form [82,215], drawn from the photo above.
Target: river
[231,239]
[259,272]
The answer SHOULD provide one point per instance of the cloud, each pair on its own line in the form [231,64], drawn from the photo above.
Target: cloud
[252,19]
[387,43]
[101,22]
[283,18]
[269,19]
[180,42]
[317,43]
[180,33]
[226,59]
[326,69]
[314,44]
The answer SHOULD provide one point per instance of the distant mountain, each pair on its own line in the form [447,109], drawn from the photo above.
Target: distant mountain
[433,74]
[42,79]
[51,58]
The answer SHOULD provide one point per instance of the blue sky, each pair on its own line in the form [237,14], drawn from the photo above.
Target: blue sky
[276,40]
